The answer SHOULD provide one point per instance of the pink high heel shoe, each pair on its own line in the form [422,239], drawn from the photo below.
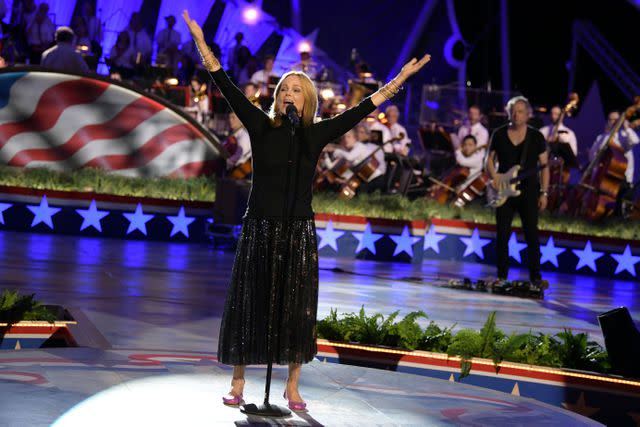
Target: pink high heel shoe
[231,399]
[294,405]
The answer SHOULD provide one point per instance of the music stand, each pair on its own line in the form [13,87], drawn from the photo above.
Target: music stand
[564,151]
[438,149]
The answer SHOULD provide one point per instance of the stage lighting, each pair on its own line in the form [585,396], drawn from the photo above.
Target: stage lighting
[304,46]
[327,93]
[250,15]
[171,81]
[622,341]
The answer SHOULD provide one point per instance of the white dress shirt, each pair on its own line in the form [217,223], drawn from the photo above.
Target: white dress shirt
[386,134]
[357,154]
[480,133]
[168,38]
[565,135]
[126,60]
[396,129]
[626,139]
[42,33]
[474,162]
[140,42]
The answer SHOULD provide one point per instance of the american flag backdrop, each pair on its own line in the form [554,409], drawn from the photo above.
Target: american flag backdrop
[67,122]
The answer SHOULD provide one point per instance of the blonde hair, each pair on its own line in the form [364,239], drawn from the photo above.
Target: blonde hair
[310,94]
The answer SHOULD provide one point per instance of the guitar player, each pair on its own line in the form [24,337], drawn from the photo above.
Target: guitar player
[513,144]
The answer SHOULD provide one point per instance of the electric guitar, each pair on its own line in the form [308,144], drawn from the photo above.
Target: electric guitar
[510,180]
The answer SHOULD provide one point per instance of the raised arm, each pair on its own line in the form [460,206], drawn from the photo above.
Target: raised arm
[250,115]
[338,125]
[390,89]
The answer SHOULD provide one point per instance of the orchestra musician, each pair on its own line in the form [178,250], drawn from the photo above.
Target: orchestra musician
[473,127]
[237,143]
[355,151]
[470,155]
[626,138]
[199,107]
[564,134]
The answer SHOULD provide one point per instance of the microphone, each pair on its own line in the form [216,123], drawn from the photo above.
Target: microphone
[292,114]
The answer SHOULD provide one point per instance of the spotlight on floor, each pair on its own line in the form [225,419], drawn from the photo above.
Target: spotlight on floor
[622,340]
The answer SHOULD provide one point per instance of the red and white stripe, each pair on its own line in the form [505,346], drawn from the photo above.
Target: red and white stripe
[65,122]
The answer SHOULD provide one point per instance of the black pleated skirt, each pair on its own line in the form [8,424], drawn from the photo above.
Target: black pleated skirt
[273,293]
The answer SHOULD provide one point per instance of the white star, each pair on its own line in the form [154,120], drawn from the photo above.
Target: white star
[431,239]
[180,223]
[474,244]
[3,207]
[404,242]
[329,237]
[515,248]
[626,261]
[138,220]
[43,213]
[550,253]
[91,217]
[367,239]
[587,257]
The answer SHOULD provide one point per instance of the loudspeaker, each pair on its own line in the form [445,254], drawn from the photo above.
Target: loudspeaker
[232,196]
[622,341]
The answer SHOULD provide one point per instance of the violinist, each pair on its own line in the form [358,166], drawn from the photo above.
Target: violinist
[401,146]
[470,155]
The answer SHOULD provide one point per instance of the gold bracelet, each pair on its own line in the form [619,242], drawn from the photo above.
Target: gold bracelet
[207,60]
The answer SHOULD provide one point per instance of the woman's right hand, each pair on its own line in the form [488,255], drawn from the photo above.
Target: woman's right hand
[194,28]
[209,60]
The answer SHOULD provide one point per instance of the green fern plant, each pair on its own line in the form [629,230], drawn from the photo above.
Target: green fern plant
[15,307]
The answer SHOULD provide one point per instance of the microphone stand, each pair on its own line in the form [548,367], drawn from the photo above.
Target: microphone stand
[267,409]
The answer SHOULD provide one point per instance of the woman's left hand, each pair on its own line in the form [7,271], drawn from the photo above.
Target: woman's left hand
[413,66]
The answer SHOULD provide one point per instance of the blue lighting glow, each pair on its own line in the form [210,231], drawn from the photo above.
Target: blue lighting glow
[404,242]
[367,239]
[549,252]
[432,104]
[43,213]
[515,248]
[431,239]
[138,220]
[626,261]
[587,257]
[329,237]
[3,207]
[475,244]
[180,223]
[91,217]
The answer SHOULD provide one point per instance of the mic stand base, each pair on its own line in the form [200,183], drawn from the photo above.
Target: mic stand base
[265,410]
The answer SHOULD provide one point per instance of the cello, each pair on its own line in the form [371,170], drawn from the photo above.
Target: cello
[559,174]
[600,182]
[453,182]
[363,171]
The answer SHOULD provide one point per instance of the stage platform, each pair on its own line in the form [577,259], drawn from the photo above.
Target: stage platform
[156,311]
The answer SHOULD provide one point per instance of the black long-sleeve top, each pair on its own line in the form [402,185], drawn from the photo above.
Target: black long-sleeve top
[270,151]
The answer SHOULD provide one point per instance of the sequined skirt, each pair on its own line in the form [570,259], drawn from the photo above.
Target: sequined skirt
[273,293]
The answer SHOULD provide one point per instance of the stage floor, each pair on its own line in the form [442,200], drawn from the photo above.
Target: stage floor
[166,299]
